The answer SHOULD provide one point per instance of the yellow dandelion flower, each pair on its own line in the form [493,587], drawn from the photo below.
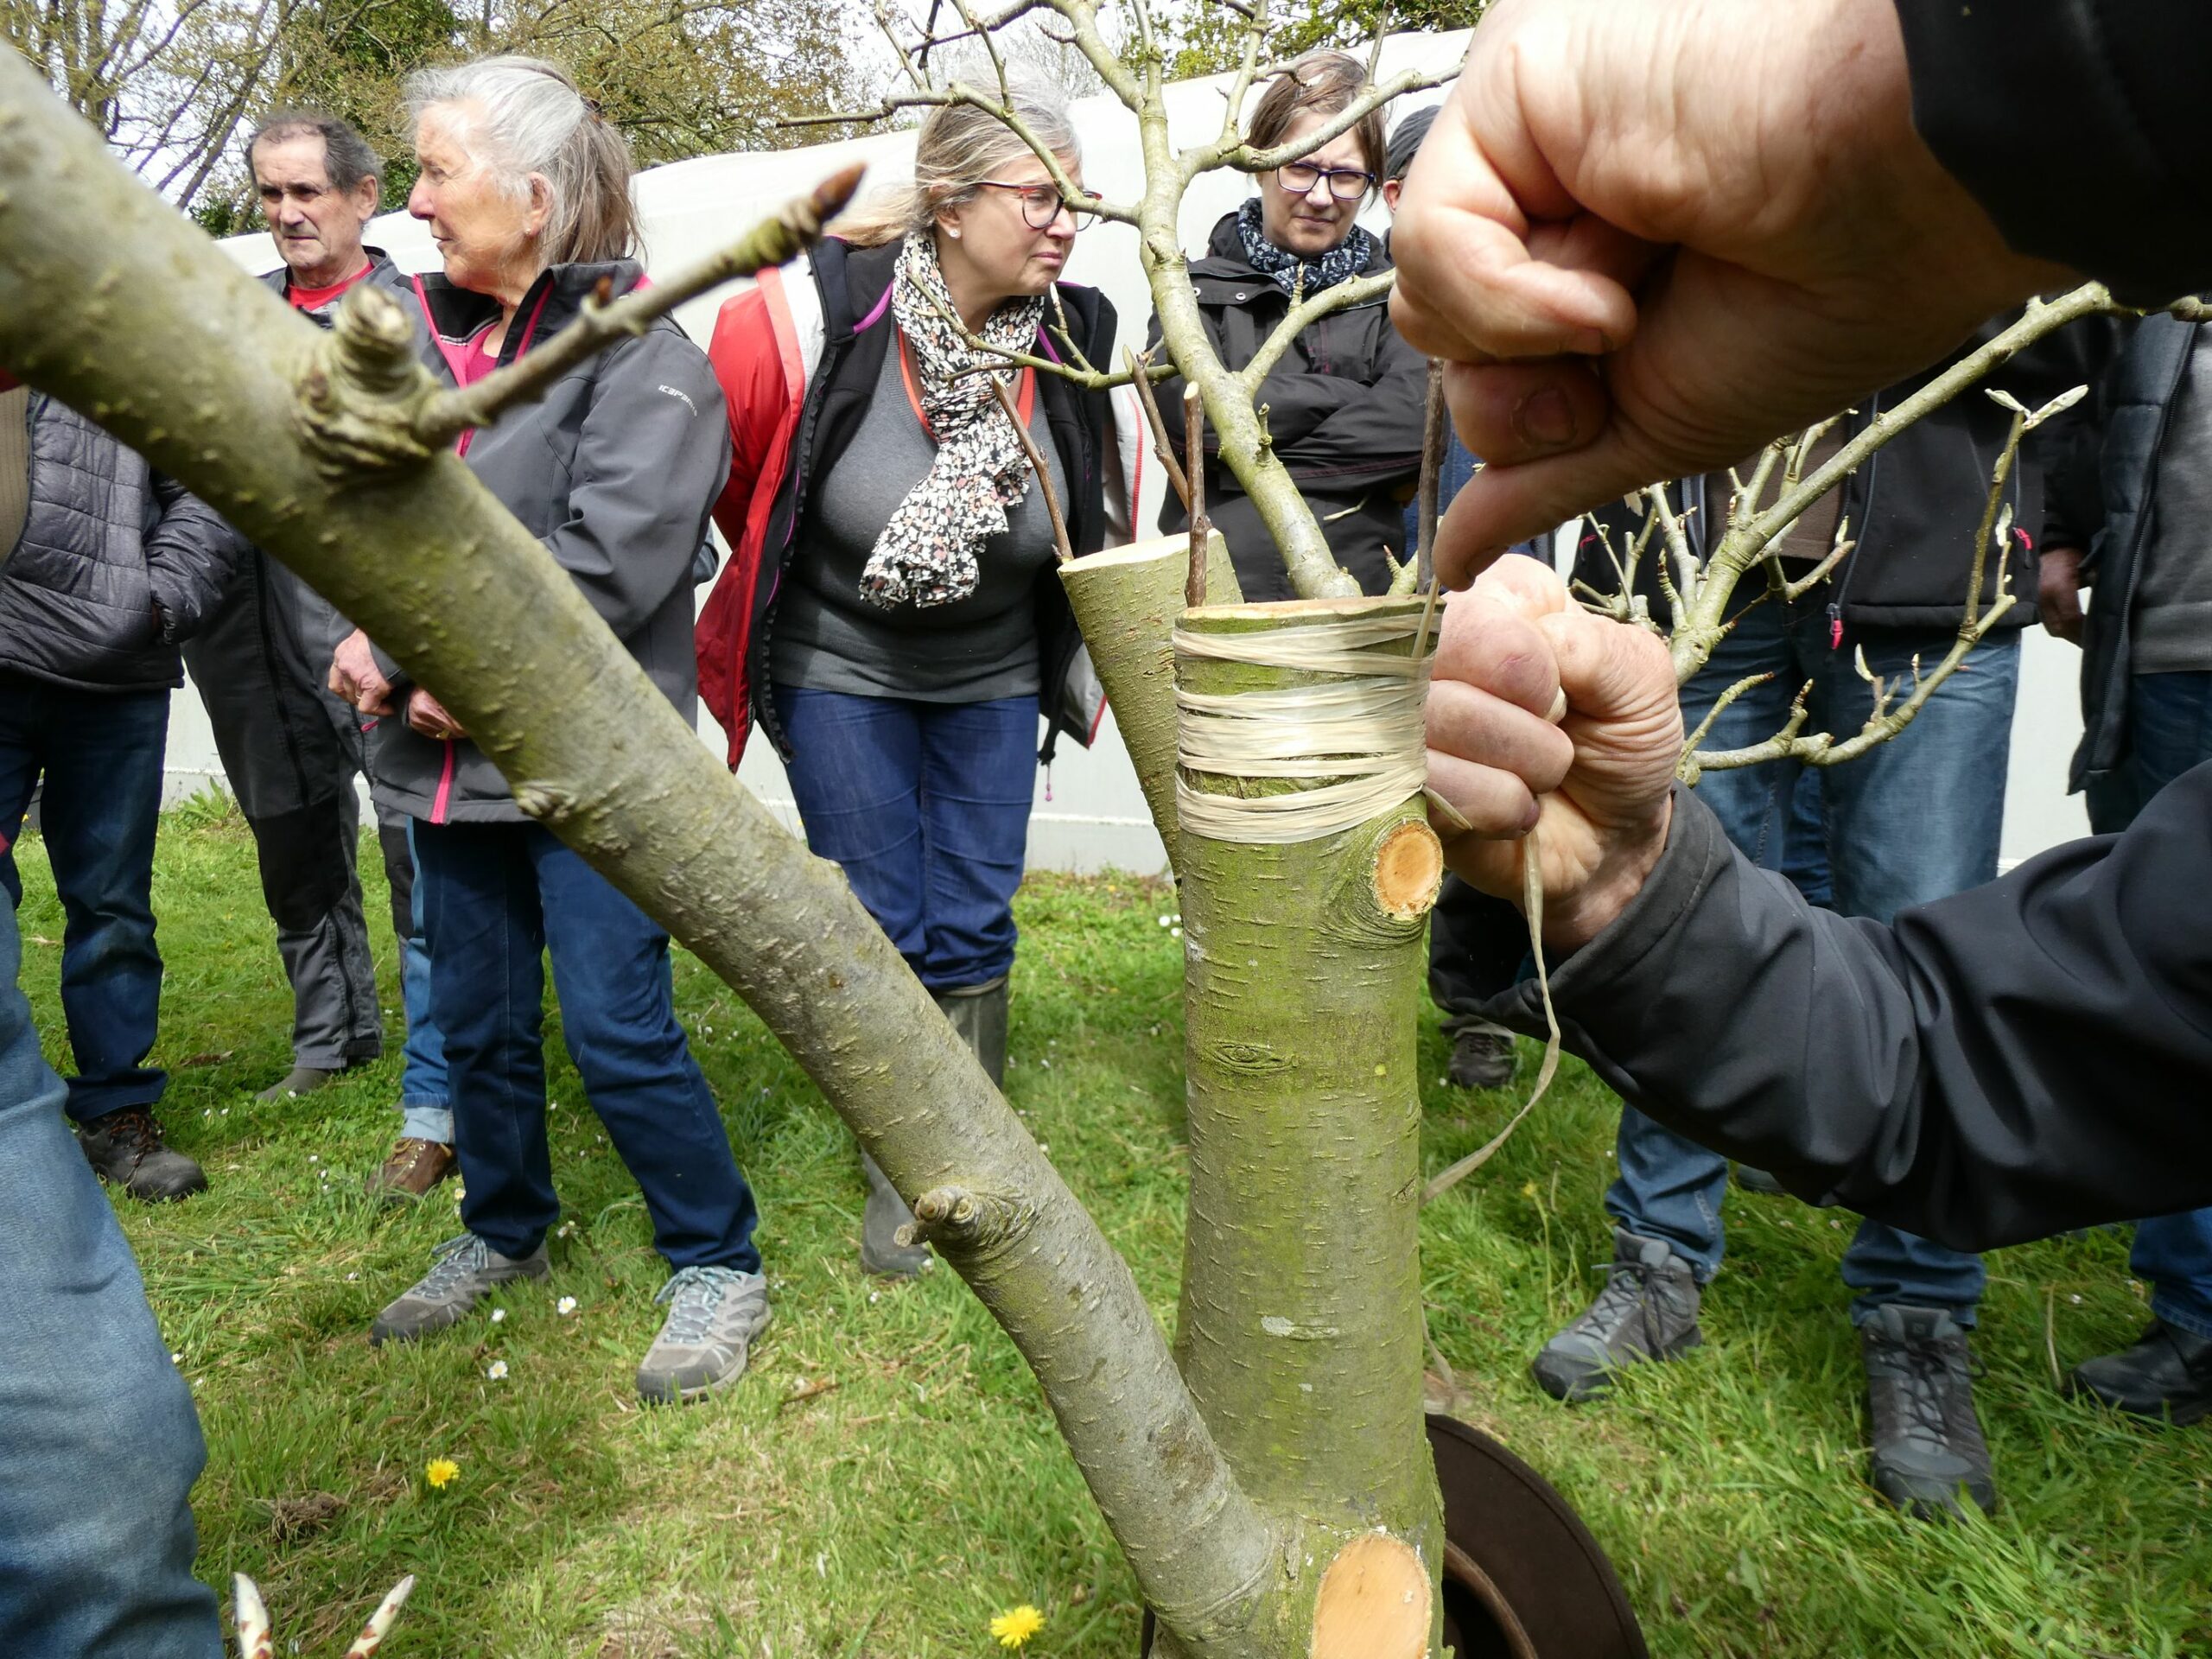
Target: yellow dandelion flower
[442,1472]
[1014,1628]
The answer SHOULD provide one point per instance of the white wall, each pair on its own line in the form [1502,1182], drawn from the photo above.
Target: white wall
[1089,811]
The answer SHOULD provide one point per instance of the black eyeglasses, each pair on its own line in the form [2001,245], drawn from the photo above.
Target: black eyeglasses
[1042,203]
[1345,183]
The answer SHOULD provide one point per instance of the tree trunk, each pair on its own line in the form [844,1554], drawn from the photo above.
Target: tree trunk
[1126,600]
[1301,1331]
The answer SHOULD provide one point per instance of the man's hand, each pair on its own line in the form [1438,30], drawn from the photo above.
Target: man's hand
[2058,591]
[1650,235]
[428,716]
[355,677]
[1597,785]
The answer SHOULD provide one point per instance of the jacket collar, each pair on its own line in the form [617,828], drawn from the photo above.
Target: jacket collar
[381,271]
[553,300]
[1224,275]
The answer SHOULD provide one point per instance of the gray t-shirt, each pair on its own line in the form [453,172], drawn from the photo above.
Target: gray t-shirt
[828,638]
[2172,619]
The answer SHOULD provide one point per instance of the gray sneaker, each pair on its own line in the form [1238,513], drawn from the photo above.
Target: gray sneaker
[463,1271]
[1648,1311]
[713,1314]
[1927,1436]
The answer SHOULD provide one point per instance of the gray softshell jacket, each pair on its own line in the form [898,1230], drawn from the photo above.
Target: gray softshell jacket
[615,471]
[105,541]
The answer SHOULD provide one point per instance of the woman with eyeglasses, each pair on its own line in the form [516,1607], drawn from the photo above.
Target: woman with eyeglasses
[891,613]
[1345,402]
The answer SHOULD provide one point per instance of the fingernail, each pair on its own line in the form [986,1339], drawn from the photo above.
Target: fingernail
[1544,420]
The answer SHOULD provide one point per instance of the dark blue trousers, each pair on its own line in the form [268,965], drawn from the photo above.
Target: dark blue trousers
[1915,819]
[495,897]
[100,755]
[926,808]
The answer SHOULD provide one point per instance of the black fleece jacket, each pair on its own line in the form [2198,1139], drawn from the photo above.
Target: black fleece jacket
[1344,408]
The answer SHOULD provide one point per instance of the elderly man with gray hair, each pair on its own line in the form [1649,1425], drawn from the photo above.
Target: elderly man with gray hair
[291,746]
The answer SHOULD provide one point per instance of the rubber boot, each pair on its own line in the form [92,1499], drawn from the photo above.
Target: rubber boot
[978,1013]
[886,1212]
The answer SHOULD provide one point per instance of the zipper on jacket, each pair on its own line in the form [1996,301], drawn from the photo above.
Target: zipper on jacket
[444,798]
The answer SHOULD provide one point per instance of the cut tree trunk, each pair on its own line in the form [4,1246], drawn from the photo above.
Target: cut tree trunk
[1126,600]
[1301,1331]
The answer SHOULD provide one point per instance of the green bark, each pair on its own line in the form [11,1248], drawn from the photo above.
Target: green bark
[1301,1331]
[1126,600]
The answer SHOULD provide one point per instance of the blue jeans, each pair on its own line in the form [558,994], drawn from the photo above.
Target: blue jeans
[98,1441]
[2170,731]
[497,897]
[926,807]
[424,1112]
[1913,820]
[100,755]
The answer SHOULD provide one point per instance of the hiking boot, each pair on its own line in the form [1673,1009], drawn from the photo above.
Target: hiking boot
[886,1212]
[978,1013]
[1751,1178]
[463,1272]
[126,1147]
[1927,1440]
[300,1080]
[1648,1311]
[2166,1375]
[713,1314]
[413,1169]
[1482,1055]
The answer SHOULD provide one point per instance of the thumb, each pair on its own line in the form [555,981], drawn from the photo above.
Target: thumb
[1611,672]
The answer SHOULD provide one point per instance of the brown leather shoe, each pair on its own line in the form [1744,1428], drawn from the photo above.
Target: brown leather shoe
[413,1169]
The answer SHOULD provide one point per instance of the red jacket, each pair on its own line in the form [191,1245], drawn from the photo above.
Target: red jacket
[762,361]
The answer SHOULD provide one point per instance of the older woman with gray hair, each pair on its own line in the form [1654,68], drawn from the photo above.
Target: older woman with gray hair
[526,192]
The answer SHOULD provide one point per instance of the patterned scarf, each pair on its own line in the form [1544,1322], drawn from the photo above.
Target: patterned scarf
[1348,259]
[926,554]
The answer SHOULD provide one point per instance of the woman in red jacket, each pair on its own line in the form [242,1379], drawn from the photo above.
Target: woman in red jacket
[891,614]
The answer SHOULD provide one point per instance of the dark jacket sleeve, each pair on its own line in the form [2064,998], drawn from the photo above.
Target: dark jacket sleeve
[2079,125]
[649,464]
[192,553]
[2023,1057]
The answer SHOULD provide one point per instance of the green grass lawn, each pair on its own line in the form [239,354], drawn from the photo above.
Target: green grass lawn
[888,1478]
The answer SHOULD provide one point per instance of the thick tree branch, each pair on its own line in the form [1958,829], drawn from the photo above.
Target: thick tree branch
[200,373]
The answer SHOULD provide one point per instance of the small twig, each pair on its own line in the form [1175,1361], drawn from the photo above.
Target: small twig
[1194,428]
[1436,429]
[794,227]
[1139,362]
[1036,465]
[1357,290]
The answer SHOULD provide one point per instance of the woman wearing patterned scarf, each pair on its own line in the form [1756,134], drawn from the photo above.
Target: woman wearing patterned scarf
[1344,402]
[891,612]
